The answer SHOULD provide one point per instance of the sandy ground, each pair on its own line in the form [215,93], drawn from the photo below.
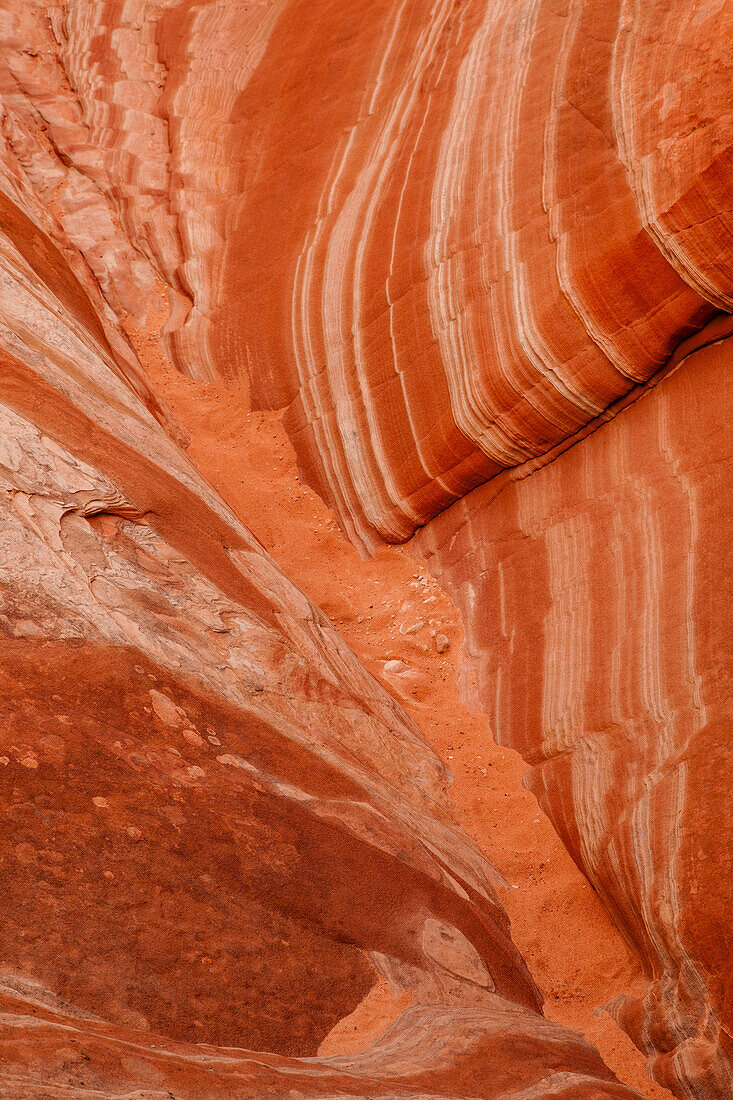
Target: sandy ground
[574,952]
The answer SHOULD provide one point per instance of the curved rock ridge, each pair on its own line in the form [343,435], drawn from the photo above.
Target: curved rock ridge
[217,827]
[445,235]
[597,594]
[431,1053]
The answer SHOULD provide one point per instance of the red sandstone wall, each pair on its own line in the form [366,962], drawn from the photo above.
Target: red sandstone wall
[218,829]
[597,595]
[445,236]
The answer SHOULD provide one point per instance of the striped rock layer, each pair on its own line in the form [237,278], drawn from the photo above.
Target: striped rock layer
[218,829]
[451,238]
[597,590]
[443,234]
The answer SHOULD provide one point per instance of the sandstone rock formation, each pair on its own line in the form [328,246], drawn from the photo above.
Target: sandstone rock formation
[597,593]
[454,240]
[218,828]
[444,235]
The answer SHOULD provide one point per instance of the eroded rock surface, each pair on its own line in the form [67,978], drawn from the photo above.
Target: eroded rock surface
[217,827]
[597,597]
[445,237]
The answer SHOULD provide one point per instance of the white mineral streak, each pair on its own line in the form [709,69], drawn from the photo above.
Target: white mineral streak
[607,679]
[327,287]
[665,47]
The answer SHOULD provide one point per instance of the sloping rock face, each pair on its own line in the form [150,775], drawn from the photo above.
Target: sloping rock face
[217,827]
[444,235]
[597,595]
[450,238]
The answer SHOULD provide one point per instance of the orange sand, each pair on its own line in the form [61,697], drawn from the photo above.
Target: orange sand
[574,952]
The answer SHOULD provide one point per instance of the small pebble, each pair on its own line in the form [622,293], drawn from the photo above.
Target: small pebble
[395,668]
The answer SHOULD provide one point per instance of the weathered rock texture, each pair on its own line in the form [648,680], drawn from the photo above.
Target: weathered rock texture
[597,595]
[447,236]
[444,234]
[217,827]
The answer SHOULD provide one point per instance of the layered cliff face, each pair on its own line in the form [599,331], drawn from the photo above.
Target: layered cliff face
[443,235]
[218,828]
[597,596]
[454,240]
